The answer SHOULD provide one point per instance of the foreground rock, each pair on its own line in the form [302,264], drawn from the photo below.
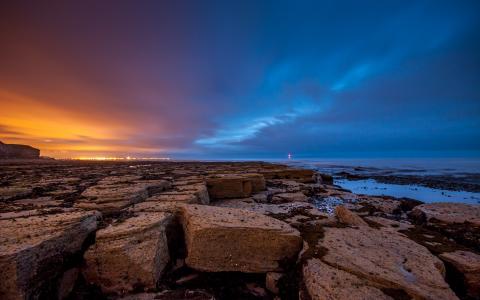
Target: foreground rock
[227,239]
[172,229]
[325,282]
[467,265]
[37,250]
[386,260]
[129,255]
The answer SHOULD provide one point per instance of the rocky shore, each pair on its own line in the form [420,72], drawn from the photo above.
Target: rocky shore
[198,230]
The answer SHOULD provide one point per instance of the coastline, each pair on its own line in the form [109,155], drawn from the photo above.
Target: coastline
[223,230]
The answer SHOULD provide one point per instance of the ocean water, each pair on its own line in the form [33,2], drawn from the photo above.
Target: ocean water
[455,168]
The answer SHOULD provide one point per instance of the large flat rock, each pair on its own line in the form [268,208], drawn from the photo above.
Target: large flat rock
[325,282]
[449,213]
[228,239]
[130,254]
[387,260]
[37,249]
[184,192]
[111,196]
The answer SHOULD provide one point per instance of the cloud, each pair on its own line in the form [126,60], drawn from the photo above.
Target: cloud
[245,78]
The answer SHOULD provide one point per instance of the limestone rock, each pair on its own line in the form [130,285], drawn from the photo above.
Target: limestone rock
[468,264]
[325,282]
[234,185]
[289,197]
[300,175]
[172,295]
[389,224]
[130,254]
[449,213]
[12,192]
[188,193]
[271,281]
[33,250]
[112,197]
[383,204]
[388,260]
[228,239]
[347,217]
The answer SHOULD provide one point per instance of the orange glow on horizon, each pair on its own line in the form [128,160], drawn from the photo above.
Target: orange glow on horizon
[62,133]
[103,158]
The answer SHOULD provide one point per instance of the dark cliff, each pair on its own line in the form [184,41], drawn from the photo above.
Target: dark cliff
[18,151]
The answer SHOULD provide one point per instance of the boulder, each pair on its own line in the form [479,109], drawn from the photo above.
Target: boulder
[234,185]
[18,151]
[386,260]
[347,217]
[36,251]
[221,239]
[130,254]
[325,282]
[468,264]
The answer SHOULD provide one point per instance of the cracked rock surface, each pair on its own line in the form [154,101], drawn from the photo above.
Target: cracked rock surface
[223,230]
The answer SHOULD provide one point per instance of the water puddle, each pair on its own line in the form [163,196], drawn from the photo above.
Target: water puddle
[425,194]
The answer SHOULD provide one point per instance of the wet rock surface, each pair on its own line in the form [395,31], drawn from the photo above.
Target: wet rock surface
[246,230]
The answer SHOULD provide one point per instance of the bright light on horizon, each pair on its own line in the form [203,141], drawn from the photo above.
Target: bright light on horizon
[107,158]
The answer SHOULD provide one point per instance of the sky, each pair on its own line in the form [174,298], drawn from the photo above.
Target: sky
[241,79]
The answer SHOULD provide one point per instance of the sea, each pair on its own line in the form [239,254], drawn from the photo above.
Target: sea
[457,169]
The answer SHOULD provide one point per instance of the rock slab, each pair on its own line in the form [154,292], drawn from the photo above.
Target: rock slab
[35,251]
[388,260]
[221,239]
[130,254]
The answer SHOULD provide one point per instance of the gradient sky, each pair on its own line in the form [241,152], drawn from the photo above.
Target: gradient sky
[241,79]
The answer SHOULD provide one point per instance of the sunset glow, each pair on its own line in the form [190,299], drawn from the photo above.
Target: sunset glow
[100,158]
[241,80]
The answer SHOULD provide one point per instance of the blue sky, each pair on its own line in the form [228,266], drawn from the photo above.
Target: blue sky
[250,79]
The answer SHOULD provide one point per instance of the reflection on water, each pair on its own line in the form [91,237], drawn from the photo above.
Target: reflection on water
[425,194]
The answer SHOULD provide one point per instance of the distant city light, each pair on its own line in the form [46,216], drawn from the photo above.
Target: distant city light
[104,158]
